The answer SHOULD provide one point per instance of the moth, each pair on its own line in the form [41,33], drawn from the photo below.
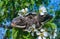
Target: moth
[30,19]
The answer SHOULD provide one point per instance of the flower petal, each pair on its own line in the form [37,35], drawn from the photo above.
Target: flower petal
[39,37]
[45,34]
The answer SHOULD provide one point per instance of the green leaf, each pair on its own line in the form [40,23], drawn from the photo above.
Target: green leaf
[1,3]
[51,25]
[8,34]
[32,2]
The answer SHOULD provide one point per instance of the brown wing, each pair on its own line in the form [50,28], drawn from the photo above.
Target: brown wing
[18,22]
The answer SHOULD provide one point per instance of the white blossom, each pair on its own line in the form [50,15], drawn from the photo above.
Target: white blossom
[56,30]
[39,37]
[38,33]
[44,37]
[32,33]
[42,10]
[26,9]
[23,10]
[51,37]
[33,26]
[41,13]
[28,30]
[54,35]
[45,34]
[20,14]
[42,30]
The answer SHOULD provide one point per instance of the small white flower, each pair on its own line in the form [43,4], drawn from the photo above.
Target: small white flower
[54,35]
[39,37]
[41,13]
[44,37]
[20,14]
[45,34]
[23,10]
[51,36]
[43,9]
[35,30]
[56,30]
[28,30]
[38,33]
[32,33]
[26,9]
[33,26]
[42,30]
